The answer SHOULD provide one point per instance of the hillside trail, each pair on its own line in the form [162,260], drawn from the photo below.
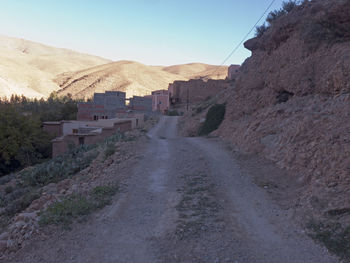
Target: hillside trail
[186,200]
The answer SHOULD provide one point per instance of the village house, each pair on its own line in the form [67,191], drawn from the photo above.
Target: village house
[137,103]
[104,106]
[233,71]
[160,101]
[97,120]
[88,132]
[195,90]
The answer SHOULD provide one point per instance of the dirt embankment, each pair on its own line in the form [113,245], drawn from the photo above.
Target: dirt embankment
[291,104]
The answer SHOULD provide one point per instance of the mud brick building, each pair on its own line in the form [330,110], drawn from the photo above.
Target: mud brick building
[138,103]
[160,100]
[195,90]
[233,71]
[104,106]
[88,132]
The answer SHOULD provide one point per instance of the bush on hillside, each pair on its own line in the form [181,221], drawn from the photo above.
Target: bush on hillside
[213,119]
[77,205]
[260,30]
[173,113]
[287,7]
[59,168]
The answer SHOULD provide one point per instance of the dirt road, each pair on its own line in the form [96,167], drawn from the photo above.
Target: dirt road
[186,200]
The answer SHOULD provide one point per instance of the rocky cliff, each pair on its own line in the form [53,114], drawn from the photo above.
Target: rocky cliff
[291,103]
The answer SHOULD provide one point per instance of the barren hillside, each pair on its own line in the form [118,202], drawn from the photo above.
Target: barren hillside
[291,103]
[28,68]
[132,77]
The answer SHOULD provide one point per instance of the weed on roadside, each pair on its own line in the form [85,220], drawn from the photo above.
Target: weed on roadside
[333,235]
[213,119]
[75,206]
[109,151]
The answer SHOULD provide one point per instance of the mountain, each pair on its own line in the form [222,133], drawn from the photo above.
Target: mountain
[35,70]
[132,77]
[28,68]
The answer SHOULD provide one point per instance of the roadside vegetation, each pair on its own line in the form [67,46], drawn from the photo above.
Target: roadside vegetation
[213,119]
[19,190]
[22,140]
[287,7]
[174,113]
[72,207]
[333,235]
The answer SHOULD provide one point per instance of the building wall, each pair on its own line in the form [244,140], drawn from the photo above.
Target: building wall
[196,90]
[111,100]
[138,119]
[53,128]
[141,103]
[105,105]
[233,71]
[160,100]
[60,145]
[160,103]
[87,111]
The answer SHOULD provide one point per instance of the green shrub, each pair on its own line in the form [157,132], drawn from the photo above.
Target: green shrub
[59,168]
[213,119]
[21,203]
[260,30]
[110,150]
[65,211]
[287,7]
[8,189]
[2,201]
[74,206]
[173,113]
[333,235]
[199,110]
[5,179]
[274,15]
[102,195]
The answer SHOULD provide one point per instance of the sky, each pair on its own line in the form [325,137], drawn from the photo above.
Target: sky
[153,32]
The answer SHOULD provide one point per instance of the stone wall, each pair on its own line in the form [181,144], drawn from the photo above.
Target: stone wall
[195,90]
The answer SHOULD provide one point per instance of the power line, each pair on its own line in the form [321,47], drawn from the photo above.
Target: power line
[246,36]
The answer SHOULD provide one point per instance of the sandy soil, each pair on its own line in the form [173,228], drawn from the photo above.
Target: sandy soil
[186,200]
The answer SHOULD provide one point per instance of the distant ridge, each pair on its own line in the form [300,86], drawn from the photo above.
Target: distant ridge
[28,68]
[35,70]
[132,77]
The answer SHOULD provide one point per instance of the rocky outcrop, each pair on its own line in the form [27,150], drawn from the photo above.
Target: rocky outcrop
[291,102]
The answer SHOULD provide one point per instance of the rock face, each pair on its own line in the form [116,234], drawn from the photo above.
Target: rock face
[291,101]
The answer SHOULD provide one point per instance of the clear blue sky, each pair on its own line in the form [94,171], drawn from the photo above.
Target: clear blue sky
[154,32]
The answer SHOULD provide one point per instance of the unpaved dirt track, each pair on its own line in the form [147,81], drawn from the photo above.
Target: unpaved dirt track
[186,201]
